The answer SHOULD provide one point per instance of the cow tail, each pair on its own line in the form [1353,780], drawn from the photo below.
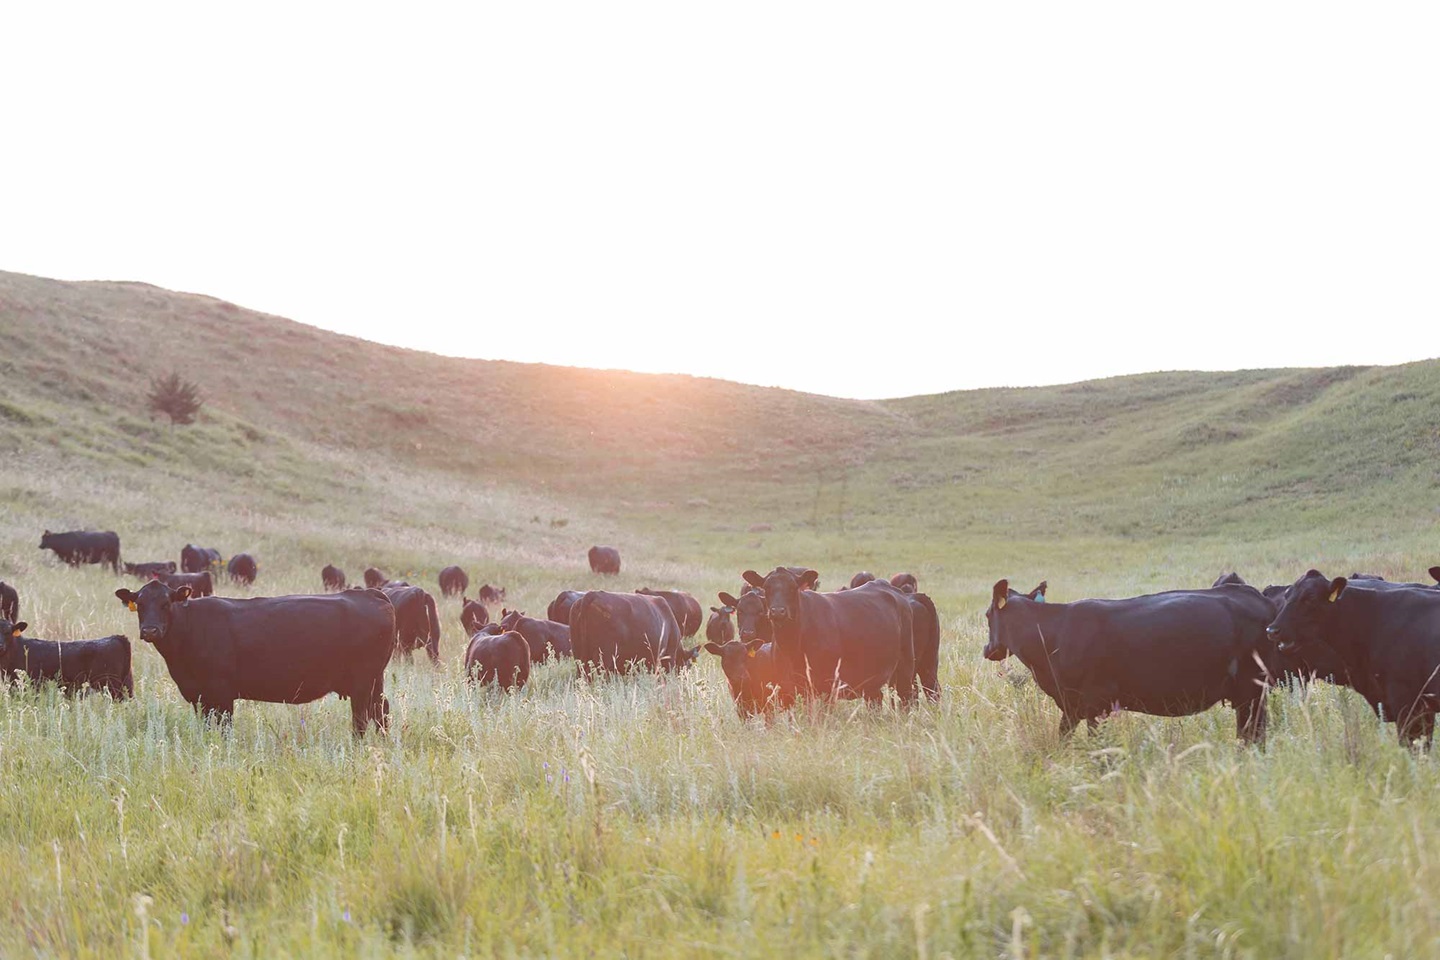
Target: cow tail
[432,644]
[578,630]
[927,662]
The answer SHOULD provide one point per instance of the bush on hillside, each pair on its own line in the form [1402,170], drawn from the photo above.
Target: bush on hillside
[176,398]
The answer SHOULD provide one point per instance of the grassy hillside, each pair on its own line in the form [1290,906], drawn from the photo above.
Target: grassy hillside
[642,817]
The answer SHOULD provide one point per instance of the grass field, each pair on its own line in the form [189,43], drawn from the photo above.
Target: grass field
[642,817]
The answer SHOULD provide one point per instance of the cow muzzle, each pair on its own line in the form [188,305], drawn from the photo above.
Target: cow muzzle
[150,634]
[995,652]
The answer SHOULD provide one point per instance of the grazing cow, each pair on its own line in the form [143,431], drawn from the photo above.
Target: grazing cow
[194,559]
[542,635]
[273,649]
[850,643]
[499,658]
[1387,639]
[9,602]
[103,664]
[84,546]
[1167,654]
[473,616]
[905,583]
[685,607]
[604,560]
[416,622]
[611,632]
[861,578]
[491,595]
[454,580]
[750,670]
[559,609]
[151,569]
[200,584]
[242,568]
[374,579]
[720,628]
[1376,582]
[332,577]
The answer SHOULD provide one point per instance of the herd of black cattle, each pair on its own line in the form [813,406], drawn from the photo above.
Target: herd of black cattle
[1167,654]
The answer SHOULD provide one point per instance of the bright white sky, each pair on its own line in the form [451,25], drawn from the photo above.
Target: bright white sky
[858,199]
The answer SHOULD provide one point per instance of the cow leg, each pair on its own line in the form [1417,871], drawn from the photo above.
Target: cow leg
[1092,724]
[1067,724]
[1417,723]
[434,650]
[1251,719]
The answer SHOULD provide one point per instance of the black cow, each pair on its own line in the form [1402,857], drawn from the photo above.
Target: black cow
[849,643]
[861,578]
[151,569]
[750,671]
[473,616]
[1377,582]
[84,546]
[905,583]
[752,620]
[1227,579]
[1387,639]
[242,569]
[9,602]
[604,559]
[1166,654]
[200,584]
[720,628]
[454,580]
[614,631]
[500,658]
[542,635]
[273,649]
[685,607]
[559,609]
[332,577]
[417,624]
[195,559]
[491,595]
[102,664]
[374,579]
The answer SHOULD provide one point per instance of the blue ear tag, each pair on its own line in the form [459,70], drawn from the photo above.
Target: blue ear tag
[1039,598]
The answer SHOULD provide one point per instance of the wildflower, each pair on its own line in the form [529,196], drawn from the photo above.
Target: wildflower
[346,915]
[184,919]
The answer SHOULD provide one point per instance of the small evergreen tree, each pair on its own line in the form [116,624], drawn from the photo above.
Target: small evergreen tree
[176,398]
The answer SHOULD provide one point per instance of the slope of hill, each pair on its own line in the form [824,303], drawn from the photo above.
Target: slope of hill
[296,415]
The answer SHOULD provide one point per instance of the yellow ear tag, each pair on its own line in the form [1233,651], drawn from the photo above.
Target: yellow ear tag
[1000,603]
[749,653]
[1334,594]
[15,634]
[132,606]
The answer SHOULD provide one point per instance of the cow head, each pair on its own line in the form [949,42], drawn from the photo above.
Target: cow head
[374,578]
[782,589]
[1304,610]
[9,633]
[861,578]
[997,647]
[1226,579]
[155,603]
[735,659]
[749,612]
[510,619]
[686,657]
[45,539]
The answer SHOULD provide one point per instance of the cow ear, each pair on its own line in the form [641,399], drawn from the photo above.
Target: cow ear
[1038,594]
[715,648]
[180,594]
[999,596]
[726,599]
[714,609]
[1435,574]
[1337,587]
[127,597]
[809,579]
[754,645]
[18,629]
[754,579]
